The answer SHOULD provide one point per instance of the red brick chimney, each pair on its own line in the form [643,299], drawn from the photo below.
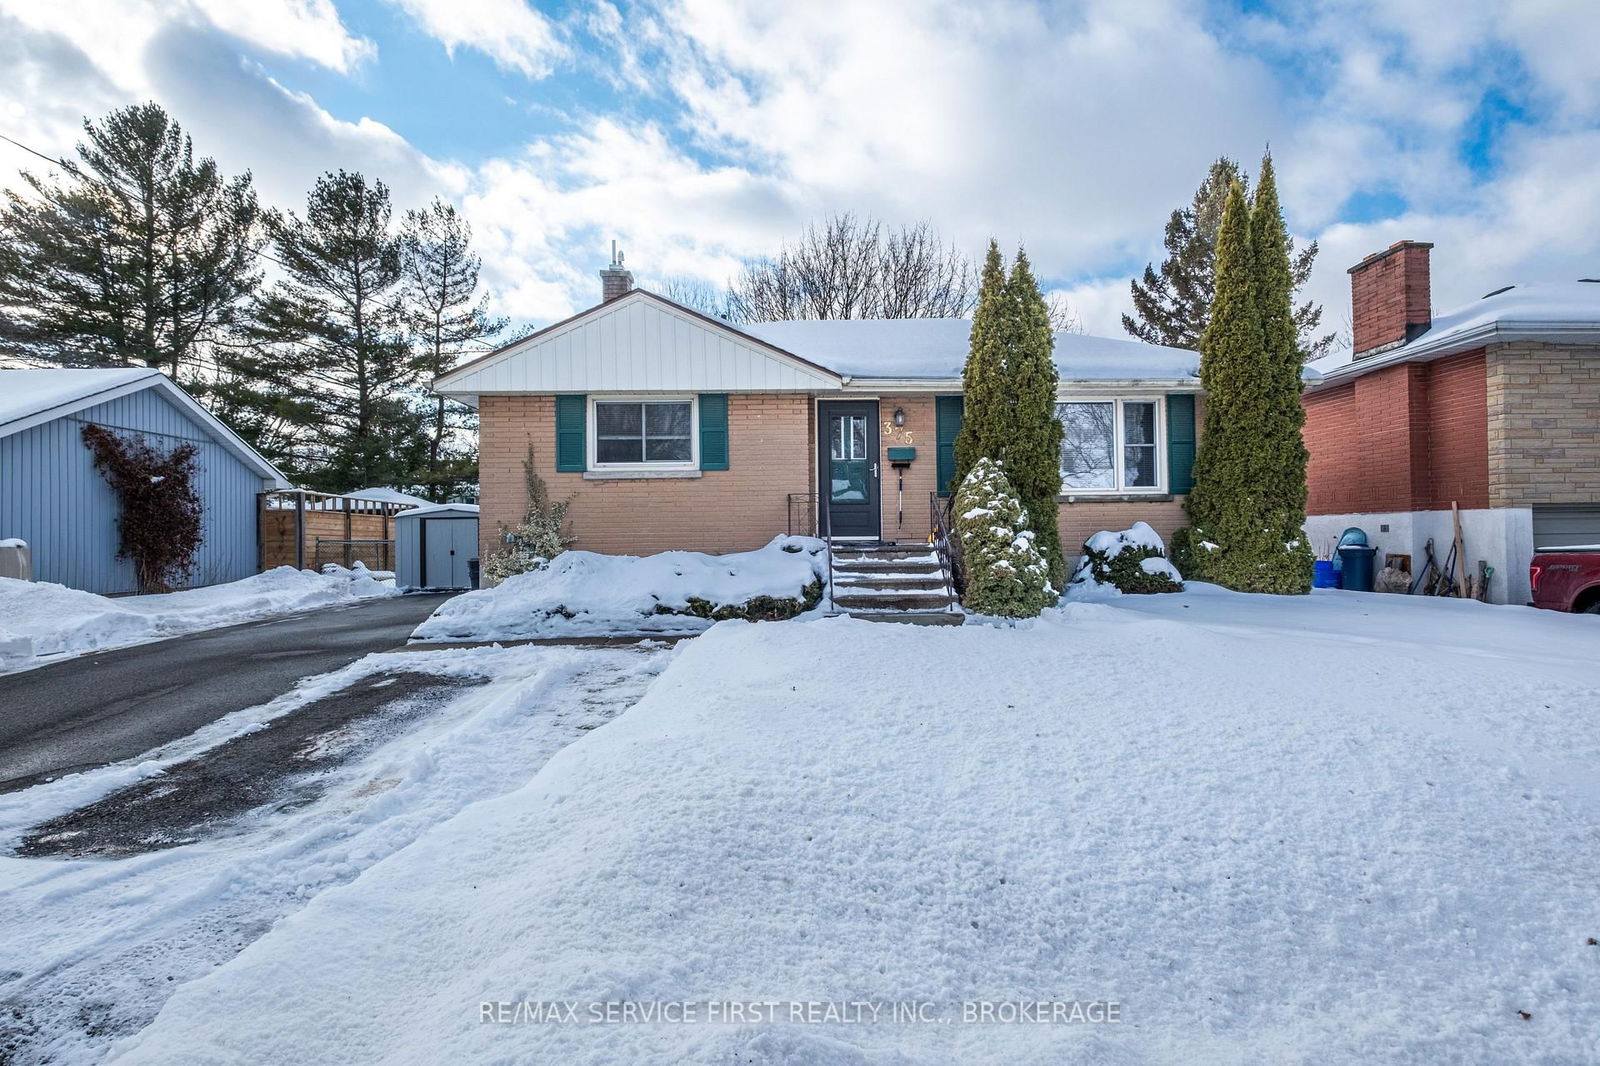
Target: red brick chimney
[614,280]
[1390,301]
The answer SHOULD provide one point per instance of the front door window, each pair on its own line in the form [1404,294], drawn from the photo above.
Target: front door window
[848,458]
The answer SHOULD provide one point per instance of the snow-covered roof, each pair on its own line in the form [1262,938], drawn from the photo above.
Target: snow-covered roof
[439,509]
[42,392]
[643,342]
[1556,312]
[32,397]
[936,348]
[384,494]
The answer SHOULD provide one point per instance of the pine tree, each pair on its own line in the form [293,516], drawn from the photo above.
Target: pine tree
[448,318]
[142,256]
[327,345]
[986,408]
[1031,451]
[1242,534]
[1172,305]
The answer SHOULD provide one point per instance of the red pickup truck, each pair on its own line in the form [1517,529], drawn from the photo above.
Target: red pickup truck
[1567,579]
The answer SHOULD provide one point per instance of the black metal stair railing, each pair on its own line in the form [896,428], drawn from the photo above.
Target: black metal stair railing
[946,544]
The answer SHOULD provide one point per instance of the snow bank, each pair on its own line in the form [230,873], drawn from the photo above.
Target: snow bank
[586,594]
[57,620]
[1261,868]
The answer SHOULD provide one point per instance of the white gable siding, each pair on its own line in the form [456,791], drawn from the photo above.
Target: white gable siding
[638,345]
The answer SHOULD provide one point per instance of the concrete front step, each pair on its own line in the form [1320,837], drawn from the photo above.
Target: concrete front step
[840,546]
[891,600]
[866,567]
[929,582]
[915,618]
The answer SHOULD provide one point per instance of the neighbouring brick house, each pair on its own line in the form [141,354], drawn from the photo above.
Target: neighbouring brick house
[671,430]
[1494,407]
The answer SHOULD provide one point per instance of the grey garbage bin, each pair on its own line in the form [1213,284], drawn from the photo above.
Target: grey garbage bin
[1355,575]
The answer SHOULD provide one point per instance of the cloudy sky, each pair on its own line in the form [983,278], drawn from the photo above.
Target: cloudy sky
[697,132]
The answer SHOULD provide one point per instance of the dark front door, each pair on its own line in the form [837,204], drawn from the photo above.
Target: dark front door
[847,472]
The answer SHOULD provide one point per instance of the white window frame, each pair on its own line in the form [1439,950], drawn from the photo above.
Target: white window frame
[593,436]
[1118,430]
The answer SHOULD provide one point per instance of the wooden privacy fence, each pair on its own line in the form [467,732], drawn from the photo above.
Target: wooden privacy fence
[293,522]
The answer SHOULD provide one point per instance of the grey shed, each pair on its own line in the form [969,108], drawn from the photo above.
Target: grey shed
[435,546]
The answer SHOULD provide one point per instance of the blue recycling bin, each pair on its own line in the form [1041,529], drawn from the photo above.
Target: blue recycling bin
[1355,575]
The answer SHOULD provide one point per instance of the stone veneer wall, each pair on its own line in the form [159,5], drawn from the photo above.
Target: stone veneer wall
[1544,424]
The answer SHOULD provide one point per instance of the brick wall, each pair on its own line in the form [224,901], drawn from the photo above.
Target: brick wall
[1333,468]
[921,478]
[1405,438]
[1543,424]
[770,449]
[1458,432]
[1082,520]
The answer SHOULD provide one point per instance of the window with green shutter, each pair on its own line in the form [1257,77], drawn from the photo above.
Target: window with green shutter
[713,431]
[947,423]
[572,416]
[1181,438]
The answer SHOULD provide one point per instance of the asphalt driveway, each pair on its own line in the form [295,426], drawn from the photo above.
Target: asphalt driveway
[98,709]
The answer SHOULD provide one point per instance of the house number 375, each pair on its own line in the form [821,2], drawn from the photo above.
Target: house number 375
[898,433]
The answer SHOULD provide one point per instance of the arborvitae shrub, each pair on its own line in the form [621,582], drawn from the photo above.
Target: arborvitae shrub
[1006,575]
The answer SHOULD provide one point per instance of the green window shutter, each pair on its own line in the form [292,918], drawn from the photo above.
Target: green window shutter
[947,423]
[713,431]
[572,420]
[1180,442]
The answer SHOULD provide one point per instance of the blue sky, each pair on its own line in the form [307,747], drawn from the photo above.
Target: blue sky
[699,132]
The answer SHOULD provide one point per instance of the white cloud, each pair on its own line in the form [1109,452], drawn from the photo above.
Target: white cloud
[1074,129]
[309,29]
[511,32]
[114,35]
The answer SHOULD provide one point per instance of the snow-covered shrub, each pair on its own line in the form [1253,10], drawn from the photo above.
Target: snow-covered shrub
[539,537]
[1006,575]
[1133,560]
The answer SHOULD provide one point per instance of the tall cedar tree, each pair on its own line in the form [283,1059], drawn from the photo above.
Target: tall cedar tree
[986,406]
[1009,393]
[328,345]
[1032,451]
[1240,502]
[140,257]
[448,318]
[1173,306]
[1283,490]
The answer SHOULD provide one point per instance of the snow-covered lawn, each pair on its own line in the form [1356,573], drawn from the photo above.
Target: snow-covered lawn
[91,949]
[40,621]
[1332,829]
[584,594]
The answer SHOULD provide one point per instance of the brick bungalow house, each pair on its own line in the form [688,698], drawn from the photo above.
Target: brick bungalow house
[672,430]
[1495,407]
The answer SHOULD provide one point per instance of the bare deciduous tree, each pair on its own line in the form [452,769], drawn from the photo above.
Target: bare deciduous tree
[850,267]
[697,294]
